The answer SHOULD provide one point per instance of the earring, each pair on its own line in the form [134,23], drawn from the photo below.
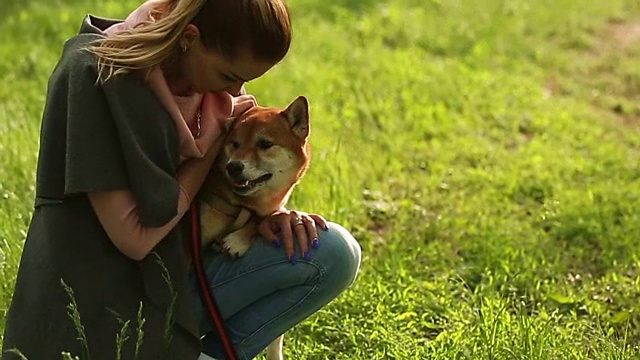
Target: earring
[184,48]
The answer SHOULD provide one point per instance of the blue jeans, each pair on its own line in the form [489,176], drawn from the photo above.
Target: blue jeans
[261,295]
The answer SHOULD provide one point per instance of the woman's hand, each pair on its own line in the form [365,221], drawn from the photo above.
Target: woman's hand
[281,226]
[243,103]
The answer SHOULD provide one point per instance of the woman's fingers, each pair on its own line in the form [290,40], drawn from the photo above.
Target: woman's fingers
[284,223]
[321,221]
[267,231]
[299,225]
[281,228]
[243,103]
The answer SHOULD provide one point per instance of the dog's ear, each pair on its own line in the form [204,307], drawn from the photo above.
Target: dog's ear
[297,114]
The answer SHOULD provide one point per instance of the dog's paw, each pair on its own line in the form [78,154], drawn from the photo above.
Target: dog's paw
[236,244]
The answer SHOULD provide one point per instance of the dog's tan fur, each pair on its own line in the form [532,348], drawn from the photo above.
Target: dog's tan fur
[268,143]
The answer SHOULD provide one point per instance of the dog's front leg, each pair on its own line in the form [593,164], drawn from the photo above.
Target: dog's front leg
[212,223]
[237,243]
[274,350]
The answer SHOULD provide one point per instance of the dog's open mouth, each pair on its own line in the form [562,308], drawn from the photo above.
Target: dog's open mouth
[246,185]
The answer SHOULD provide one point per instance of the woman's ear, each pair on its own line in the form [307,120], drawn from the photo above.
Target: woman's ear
[190,35]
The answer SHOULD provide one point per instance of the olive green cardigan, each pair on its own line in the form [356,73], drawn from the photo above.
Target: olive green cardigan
[101,137]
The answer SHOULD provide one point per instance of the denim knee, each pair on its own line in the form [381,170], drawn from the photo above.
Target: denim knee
[338,255]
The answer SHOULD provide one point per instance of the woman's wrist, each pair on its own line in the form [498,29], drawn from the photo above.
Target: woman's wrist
[193,172]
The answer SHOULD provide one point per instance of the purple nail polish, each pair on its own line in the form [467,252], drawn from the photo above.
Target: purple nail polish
[315,243]
[277,243]
[292,260]
[307,255]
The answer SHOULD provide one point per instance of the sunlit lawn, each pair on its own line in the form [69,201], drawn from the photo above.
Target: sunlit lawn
[484,153]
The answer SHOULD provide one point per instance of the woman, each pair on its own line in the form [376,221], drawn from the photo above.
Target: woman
[130,129]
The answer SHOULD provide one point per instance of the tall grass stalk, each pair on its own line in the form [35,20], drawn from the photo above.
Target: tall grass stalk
[74,314]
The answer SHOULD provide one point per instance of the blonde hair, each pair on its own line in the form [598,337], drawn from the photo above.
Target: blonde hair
[263,26]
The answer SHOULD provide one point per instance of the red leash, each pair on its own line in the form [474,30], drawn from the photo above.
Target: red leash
[207,295]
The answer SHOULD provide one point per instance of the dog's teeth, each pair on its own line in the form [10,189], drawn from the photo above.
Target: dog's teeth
[243,184]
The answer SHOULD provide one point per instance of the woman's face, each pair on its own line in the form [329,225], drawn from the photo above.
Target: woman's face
[203,71]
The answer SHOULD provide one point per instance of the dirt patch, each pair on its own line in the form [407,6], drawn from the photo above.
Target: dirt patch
[604,74]
[623,34]
[617,36]
[619,39]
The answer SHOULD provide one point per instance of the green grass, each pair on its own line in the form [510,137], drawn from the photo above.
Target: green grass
[486,154]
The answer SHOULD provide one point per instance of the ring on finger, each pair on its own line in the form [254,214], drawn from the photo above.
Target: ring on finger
[298,221]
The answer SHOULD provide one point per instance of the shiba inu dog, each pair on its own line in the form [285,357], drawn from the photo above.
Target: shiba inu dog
[264,155]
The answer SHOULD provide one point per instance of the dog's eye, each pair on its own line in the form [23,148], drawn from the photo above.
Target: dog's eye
[264,144]
[235,144]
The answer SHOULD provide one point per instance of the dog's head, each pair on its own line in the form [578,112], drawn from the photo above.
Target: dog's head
[267,149]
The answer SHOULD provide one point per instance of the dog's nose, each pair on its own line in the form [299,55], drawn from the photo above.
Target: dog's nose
[234,168]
